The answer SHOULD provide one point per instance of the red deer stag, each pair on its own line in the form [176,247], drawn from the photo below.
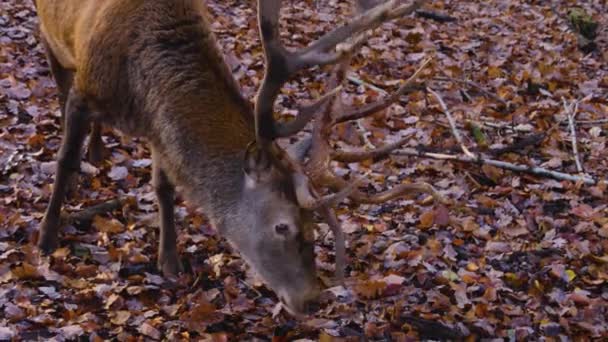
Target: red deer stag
[152,68]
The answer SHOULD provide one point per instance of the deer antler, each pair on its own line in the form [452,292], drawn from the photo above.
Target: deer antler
[338,47]
[281,64]
[322,154]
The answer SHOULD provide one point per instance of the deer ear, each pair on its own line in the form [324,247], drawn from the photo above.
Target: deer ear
[257,165]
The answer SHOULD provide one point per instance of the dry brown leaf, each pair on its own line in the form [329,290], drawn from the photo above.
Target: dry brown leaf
[108,225]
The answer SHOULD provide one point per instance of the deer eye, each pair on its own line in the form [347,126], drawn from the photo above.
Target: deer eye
[281,228]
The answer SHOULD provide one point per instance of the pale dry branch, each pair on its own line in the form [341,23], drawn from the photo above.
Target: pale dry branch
[475,85]
[571,111]
[534,170]
[87,214]
[592,122]
[452,122]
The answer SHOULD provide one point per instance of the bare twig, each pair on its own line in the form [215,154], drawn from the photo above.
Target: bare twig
[475,85]
[591,122]
[507,126]
[571,111]
[519,146]
[438,17]
[352,77]
[452,122]
[87,214]
[434,330]
[534,170]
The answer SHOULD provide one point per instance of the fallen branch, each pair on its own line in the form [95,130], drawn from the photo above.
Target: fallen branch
[452,122]
[534,170]
[518,146]
[87,214]
[591,122]
[529,128]
[429,329]
[571,111]
[438,17]
[475,85]
[351,77]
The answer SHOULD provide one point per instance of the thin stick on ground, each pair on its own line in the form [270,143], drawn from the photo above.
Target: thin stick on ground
[388,98]
[571,111]
[452,122]
[87,214]
[534,170]
[592,122]
[475,85]
[353,78]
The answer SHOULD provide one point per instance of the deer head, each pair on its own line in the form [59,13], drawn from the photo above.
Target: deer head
[283,190]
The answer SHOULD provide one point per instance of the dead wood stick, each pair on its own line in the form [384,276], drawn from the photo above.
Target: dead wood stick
[528,128]
[452,122]
[429,329]
[475,85]
[571,111]
[517,147]
[87,214]
[353,78]
[591,122]
[436,16]
[534,170]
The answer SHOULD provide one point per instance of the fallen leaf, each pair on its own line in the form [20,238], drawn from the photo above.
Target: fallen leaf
[149,331]
[108,225]
[118,173]
[120,317]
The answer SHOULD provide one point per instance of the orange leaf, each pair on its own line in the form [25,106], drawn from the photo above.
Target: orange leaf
[371,289]
[108,225]
[25,271]
[494,72]
[427,219]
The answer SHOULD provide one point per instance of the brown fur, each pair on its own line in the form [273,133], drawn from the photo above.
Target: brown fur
[151,68]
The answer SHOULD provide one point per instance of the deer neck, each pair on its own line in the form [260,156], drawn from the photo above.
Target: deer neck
[201,148]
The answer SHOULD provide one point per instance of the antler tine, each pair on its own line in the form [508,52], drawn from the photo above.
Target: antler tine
[322,154]
[355,114]
[337,184]
[281,64]
[339,241]
[408,86]
[376,154]
[318,53]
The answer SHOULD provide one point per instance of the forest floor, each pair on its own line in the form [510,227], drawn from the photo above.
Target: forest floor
[515,255]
